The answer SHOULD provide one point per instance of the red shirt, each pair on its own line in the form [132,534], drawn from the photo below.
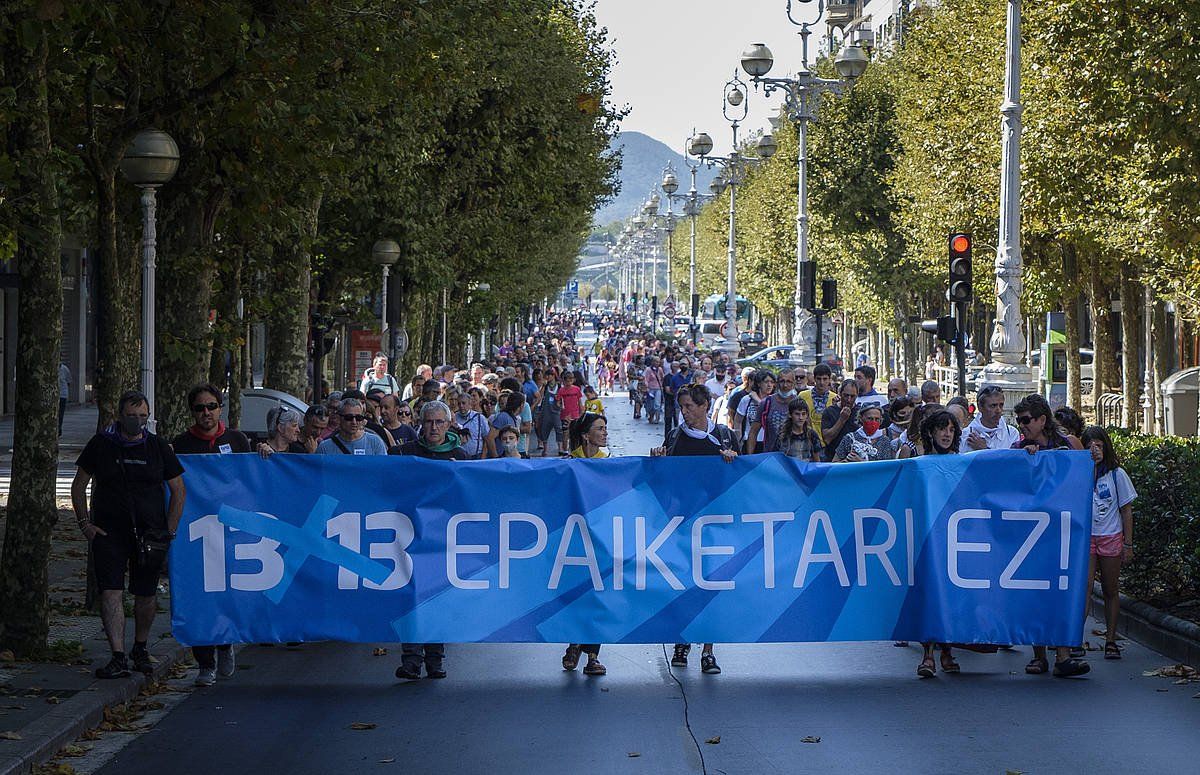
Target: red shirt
[571,399]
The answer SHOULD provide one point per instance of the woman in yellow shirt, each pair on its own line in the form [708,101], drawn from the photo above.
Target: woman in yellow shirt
[588,439]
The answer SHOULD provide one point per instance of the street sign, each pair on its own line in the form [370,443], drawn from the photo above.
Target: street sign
[669,309]
[573,288]
[400,344]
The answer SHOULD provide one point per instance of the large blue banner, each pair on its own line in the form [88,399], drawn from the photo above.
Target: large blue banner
[989,547]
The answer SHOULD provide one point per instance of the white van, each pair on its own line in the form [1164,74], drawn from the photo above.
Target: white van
[710,332]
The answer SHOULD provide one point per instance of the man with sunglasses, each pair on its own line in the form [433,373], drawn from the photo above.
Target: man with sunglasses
[350,438]
[207,436]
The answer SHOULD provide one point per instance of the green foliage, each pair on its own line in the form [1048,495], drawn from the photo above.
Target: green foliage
[1166,529]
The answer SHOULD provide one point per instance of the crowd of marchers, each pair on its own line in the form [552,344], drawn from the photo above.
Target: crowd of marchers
[547,396]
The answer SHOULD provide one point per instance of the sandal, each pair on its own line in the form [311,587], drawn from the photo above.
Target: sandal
[927,668]
[1078,652]
[1037,666]
[948,663]
[593,667]
[1069,668]
[1112,650]
[570,660]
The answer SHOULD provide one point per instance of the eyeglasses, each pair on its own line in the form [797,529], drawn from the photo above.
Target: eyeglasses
[354,417]
[211,406]
[1024,419]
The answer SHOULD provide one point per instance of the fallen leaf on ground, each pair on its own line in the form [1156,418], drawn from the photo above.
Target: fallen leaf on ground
[633,754]
[386,761]
[74,751]
[714,740]
[53,700]
[1186,672]
[10,736]
[362,725]
[379,652]
[810,739]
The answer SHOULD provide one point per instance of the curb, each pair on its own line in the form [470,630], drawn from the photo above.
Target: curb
[1177,638]
[48,734]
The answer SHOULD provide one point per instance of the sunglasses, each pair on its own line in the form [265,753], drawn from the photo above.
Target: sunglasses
[405,413]
[211,406]
[1024,419]
[318,411]
[354,417]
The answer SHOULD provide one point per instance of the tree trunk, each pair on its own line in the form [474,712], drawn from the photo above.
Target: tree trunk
[1070,305]
[1104,362]
[225,369]
[24,584]
[1162,361]
[287,327]
[1131,305]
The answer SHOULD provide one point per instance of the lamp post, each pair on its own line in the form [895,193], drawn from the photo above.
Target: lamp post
[150,161]
[734,166]
[800,105]
[1006,369]
[385,252]
[691,208]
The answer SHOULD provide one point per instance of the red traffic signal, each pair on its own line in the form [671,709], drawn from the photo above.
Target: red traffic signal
[960,267]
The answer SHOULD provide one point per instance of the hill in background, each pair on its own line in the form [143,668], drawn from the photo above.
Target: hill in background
[642,162]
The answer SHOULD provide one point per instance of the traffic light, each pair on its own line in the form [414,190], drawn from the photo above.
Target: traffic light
[654,306]
[829,299]
[943,328]
[808,284]
[960,267]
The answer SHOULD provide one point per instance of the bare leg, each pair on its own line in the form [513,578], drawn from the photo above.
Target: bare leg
[1091,575]
[112,614]
[1110,574]
[144,609]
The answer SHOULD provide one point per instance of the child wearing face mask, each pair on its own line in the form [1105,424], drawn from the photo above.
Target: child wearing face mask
[506,442]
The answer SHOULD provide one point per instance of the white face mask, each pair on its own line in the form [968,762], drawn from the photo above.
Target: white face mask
[787,393]
[510,446]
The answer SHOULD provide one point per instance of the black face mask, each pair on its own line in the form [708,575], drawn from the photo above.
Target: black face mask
[131,426]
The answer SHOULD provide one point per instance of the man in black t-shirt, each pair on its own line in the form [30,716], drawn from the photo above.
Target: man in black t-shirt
[128,524]
[839,420]
[208,436]
[697,436]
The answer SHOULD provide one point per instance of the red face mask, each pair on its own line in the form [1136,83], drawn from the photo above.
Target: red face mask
[870,427]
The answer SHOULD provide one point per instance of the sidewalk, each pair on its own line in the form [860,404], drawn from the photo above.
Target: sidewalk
[46,705]
[79,425]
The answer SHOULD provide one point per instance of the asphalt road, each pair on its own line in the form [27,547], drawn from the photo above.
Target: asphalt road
[811,708]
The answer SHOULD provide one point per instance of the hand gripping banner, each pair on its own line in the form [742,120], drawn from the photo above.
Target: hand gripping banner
[989,547]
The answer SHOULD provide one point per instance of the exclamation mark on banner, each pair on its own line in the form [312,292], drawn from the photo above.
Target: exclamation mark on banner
[1064,549]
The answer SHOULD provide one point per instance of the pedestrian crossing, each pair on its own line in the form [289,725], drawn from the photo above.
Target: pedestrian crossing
[62,482]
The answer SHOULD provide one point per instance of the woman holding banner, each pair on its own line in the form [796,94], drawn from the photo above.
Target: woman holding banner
[588,440]
[1040,432]
[940,435]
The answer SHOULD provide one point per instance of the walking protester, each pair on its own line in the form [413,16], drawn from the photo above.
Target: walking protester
[940,435]
[528,380]
[508,442]
[396,417]
[316,420]
[900,412]
[374,424]
[633,374]
[864,376]
[867,442]
[283,433]
[798,438]
[697,436]
[654,377]
[735,398]
[413,388]
[524,417]
[716,384]
[762,384]
[1041,433]
[592,402]
[64,391]
[509,416]
[436,442]
[352,438]
[772,414]
[989,430]
[547,420]
[720,406]
[378,378]
[910,444]
[839,421]
[208,435]
[896,387]
[1112,530]
[333,409]
[570,398]
[820,394]
[931,392]
[474,428]
[588,440]
[129,525]
[675,380]
[1069,420]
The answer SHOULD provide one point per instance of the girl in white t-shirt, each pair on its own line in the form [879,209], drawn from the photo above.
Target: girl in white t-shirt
[1112,528]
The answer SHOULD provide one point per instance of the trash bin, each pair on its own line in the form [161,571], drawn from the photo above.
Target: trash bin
[1181,396]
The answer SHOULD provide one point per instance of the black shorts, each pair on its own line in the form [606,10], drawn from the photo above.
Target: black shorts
[116,553]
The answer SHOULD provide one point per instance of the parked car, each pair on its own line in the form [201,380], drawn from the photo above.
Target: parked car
[771,358]
[255,405]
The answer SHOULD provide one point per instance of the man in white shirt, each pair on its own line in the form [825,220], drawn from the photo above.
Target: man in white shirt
[989,430]
[716,383]
[864,375]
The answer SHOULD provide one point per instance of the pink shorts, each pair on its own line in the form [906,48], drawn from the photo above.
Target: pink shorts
[1108,546]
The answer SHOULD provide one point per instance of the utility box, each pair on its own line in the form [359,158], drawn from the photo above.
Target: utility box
[1181,397]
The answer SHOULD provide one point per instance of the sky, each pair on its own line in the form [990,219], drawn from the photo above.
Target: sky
[674,57]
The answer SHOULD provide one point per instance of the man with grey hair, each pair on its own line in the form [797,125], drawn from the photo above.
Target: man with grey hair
[350,438]
[931,392]
[989,430]
[436,442]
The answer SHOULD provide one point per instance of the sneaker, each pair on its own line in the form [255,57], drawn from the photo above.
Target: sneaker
[117,667]
[206,677]
[1069,668]
[409,672]
[434,670]
[141,661]
[226,662]
[681,655]
[708,664]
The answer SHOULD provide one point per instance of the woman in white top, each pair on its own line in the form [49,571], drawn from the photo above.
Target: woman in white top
[1112,528]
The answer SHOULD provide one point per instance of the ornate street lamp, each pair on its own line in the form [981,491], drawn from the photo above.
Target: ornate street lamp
[150,161]
[800,104]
